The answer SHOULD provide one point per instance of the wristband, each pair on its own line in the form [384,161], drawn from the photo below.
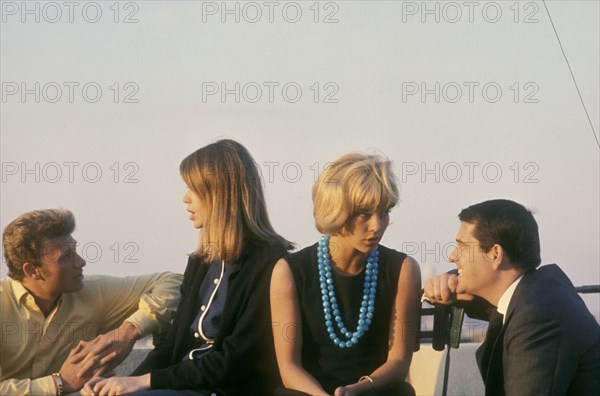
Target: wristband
[58,384]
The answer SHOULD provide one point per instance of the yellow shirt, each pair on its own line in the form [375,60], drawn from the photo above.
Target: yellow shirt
[32,347]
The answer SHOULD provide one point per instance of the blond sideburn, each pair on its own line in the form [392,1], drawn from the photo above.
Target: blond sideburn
[226,179]
[354,183]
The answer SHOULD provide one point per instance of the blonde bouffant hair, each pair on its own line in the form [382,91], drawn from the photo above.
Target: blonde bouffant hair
[354,183]
[227,180]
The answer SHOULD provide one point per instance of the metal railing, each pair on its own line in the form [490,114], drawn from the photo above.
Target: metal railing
[588,289]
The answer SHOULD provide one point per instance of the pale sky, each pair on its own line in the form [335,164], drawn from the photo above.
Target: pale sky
[471,100]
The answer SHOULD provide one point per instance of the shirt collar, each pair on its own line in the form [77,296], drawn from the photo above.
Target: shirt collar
[23,296]
[18,289]
[506,297]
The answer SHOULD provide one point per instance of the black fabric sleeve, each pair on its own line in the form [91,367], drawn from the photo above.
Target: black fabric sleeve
[160,356]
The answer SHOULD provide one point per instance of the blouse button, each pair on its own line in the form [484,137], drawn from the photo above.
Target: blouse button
[196,334]
[202,308]
[216,281]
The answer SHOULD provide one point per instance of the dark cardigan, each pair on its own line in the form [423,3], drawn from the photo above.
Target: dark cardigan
[242,360]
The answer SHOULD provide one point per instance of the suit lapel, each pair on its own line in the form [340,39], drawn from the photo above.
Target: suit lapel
[490,354]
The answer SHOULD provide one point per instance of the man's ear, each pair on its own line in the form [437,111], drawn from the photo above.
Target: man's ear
[32,272]
[497,256]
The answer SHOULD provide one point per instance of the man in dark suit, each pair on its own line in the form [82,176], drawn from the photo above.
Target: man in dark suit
[542,339]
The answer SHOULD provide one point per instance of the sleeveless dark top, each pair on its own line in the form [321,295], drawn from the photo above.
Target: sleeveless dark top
[331,365]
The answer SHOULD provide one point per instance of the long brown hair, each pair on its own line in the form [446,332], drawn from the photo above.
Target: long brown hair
[227,180]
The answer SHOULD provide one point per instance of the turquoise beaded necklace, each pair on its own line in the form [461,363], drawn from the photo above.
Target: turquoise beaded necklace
[330,308]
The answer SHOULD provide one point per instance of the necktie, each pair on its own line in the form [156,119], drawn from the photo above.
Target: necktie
[493,341]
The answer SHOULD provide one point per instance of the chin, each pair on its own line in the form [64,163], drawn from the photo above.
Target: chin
[74,288]
[369,249]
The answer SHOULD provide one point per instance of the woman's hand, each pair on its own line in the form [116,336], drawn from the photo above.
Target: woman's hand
[115,386]
[349,390]
[87,389]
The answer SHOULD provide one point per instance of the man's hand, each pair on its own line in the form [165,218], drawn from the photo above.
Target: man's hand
[115,386]
[107,351]
[445,289]
[71,368]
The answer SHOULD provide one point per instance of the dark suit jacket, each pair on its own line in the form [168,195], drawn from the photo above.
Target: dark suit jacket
[242,360]
[551,342]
